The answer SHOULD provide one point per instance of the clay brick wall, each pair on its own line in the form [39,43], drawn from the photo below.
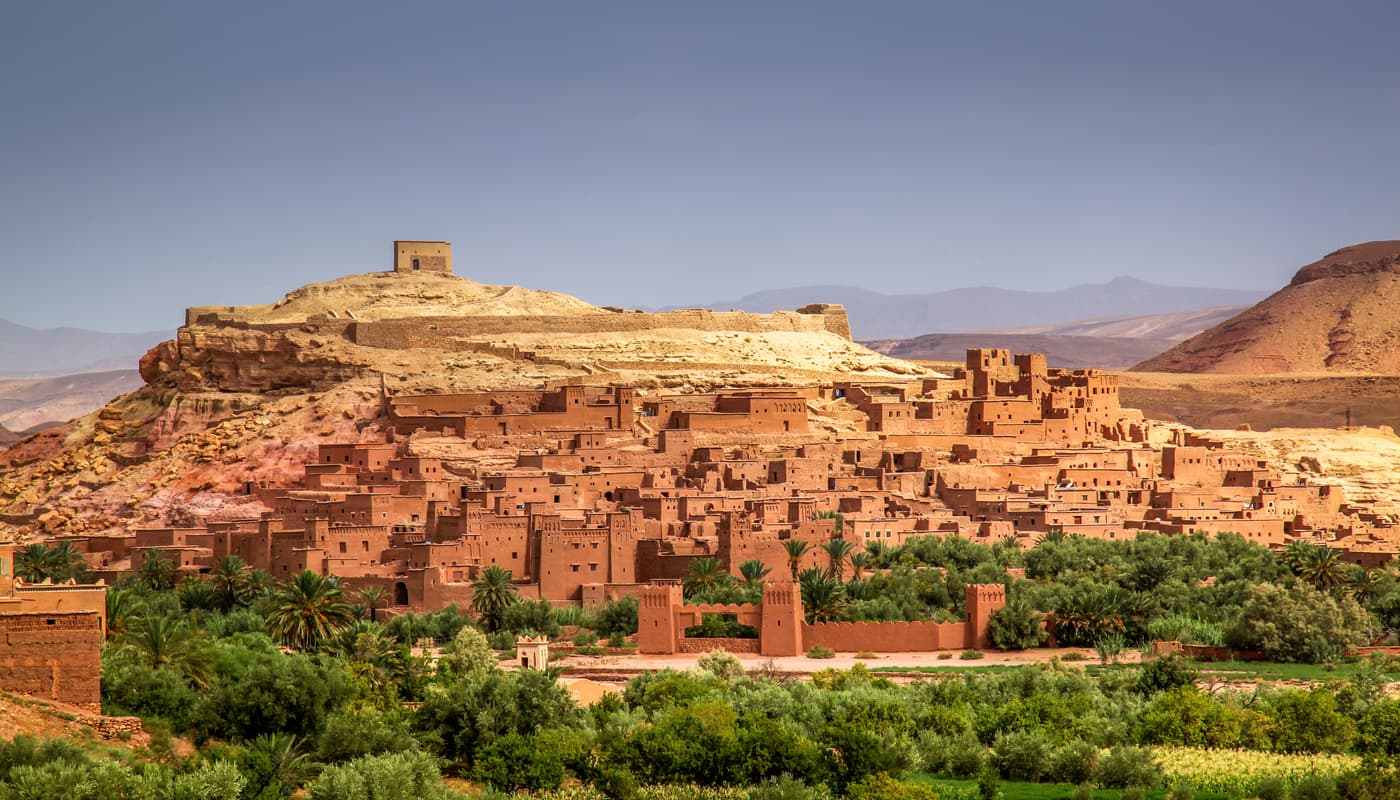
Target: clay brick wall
[53,655]
[885,637]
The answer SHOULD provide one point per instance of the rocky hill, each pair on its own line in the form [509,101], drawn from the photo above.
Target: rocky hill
[245,394]
[1339,314]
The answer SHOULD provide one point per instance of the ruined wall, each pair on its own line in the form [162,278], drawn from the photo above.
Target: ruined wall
[53,655]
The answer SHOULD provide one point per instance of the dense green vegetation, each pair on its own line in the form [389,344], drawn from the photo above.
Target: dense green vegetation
[1302,604]
[301,686]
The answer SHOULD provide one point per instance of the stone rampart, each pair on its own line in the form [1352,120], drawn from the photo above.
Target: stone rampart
[439,332]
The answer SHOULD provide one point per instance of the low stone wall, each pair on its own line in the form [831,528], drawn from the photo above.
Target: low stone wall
[113,727]
[690,645]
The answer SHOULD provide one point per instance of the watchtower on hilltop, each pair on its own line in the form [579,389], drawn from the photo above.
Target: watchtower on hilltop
[421,256]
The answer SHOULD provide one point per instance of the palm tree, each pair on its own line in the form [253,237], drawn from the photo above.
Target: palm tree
[1324,568]
[123,608]
[492,593]
[704,575]
[1295,554]
[67,561]
[227,578]
[278,759]
[796,549]
[309,609]
[753,572]
[164,642]
[1365,584]
[837,550]
[157,570]
[859,562]
[34,564]
[373,596]
[1087,616]
[255,584]
[196,595]
[1052,536]
[877,553]
[823,596]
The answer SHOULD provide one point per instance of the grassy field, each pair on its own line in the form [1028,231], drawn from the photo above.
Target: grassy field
[1020,790]
[1270,671]
[1215,671]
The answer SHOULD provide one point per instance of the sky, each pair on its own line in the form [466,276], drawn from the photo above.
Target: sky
[159,155]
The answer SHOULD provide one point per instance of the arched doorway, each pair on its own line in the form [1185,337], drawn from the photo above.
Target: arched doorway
[400,594]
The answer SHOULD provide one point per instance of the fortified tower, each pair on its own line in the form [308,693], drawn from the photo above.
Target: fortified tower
[420,256]
[781,634]
[656,618]
[982,600]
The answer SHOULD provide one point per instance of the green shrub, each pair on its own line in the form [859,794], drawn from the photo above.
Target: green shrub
[1122,767]
[1298,623]
[787,787]
[1181,790]
[988,783]
[585,638]
[1165,673]
[821,651]
[966,757]
[1022,755]
[1315,787]
[1082,792]
[617,639]
[970,655]
[1074,763]
[1132,793]
[398,776]
[619,616]
[1271,788]
[883,787]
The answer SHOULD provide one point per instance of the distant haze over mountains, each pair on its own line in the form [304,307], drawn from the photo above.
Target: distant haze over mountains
[875,315]
[55,351]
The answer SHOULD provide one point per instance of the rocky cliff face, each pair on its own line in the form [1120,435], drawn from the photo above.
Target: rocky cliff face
[1340,313]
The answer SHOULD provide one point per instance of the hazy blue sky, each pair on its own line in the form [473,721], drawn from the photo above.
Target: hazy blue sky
[158,155]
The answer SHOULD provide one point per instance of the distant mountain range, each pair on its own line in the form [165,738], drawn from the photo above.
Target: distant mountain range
[875,315]
[27,404]
[28,351]
[1113,343]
